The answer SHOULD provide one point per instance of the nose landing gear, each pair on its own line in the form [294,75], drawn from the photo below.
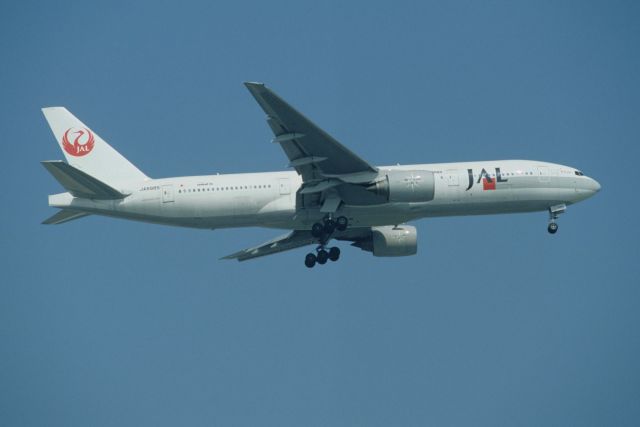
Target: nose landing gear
[554,211]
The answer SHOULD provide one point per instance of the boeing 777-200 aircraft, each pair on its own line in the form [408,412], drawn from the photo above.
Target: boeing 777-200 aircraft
[332,194]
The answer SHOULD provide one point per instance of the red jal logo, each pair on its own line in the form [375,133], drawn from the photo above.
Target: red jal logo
[83,141]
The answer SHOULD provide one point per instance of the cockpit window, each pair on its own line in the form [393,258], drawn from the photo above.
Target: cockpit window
[579,173]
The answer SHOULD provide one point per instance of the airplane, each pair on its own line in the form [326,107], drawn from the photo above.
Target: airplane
[331,193]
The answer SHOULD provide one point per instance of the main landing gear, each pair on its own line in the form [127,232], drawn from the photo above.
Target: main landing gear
[323,231]
[554,211]
[322,256]
[328,226]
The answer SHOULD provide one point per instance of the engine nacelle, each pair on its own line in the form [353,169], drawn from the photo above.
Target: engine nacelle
[405,186]
[390,241]
[394,241]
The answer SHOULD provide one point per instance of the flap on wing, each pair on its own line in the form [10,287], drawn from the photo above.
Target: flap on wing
[79,183]
[292,240]
[331,202]
[311,151]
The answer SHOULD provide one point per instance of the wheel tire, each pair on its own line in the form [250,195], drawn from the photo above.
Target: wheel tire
[310,260]
[341,223]
[329,226]
[322,257]
[334,253]
[317,230]
[552,228]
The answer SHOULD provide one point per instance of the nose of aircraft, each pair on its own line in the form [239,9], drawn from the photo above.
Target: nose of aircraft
[586,187]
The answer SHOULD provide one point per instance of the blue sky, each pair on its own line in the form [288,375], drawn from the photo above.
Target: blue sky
[494,322]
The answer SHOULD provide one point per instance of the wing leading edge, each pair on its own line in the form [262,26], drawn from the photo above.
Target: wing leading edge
[313,153]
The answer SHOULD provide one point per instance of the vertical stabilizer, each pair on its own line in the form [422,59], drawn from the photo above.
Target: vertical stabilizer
[85,150]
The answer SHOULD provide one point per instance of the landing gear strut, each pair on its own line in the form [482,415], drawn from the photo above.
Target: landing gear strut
[554,211]
[323,231]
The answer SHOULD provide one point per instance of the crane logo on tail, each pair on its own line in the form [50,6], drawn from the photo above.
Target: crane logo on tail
[78,141]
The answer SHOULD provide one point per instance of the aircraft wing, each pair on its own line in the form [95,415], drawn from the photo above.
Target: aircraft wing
[294,239]
[297,239]
[313,153]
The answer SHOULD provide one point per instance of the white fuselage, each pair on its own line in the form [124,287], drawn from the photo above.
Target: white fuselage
[269,199]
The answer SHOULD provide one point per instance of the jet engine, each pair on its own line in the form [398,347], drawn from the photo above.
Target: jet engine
[405,186]
[390,241]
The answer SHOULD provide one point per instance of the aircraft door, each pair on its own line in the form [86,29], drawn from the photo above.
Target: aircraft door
[543,174]
[285,186]
[452,179]
[167,193]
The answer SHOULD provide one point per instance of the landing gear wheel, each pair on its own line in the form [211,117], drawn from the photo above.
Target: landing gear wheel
[329,226]
[322,257]
[334,253]
[554,211]
[317,230]
[341,223]
[310,260]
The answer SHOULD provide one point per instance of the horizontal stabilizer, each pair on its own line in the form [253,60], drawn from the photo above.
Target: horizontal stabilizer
[64,215]
[81,184]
